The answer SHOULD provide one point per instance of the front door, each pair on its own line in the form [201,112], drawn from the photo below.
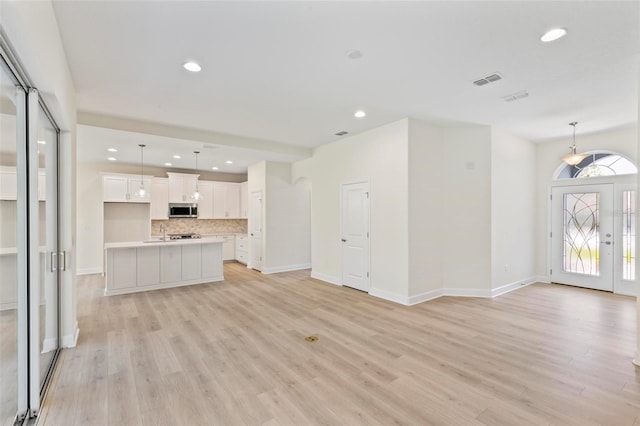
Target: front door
[355,235]
[582,237]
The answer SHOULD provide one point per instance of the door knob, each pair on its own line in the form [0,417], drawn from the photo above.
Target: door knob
[606,242]
[343,240]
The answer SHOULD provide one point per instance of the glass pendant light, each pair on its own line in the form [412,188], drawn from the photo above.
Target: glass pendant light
[573,158]
[141,191]
[196,195]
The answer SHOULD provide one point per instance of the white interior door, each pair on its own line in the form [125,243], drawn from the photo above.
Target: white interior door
[355,235]
[255,230]
[583,237]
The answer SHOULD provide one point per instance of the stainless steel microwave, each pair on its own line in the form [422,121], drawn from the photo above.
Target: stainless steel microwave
[177,210]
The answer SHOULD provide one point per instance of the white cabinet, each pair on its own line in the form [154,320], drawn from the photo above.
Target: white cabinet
[242,248]
[182,186]
[205,205]
[211,261]
[124,189]
[226,200]
[8,184]
[148,259]
[228,247]
[191,262]
[143,267]
[122,268]
[244,200]
[160,198]
[170,264]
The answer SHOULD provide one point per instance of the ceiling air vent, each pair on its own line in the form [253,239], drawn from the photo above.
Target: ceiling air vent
[516,96]
[341,133]
[488,79]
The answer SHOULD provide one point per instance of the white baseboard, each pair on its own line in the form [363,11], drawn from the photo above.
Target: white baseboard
[466,292]
[387,295]
[287,268]
[88,271]
[424,297]
[49,344]
[8,306]
[512,286]
[71,340]
[636,359]
[543,279]
[326,278]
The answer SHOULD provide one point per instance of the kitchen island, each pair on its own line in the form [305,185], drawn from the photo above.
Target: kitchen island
[150,265]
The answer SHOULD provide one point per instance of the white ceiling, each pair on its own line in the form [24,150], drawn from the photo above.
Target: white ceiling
[278,71]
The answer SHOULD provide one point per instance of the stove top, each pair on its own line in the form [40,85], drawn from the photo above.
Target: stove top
[183,236]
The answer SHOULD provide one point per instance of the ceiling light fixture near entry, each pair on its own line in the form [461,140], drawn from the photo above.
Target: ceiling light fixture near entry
[573,157]
[360,114]
[553,35]
[192,66]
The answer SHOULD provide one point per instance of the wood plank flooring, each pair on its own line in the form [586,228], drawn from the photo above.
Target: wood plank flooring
[234,353]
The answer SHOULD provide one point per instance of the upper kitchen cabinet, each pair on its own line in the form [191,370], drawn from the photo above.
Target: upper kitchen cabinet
[205,204]
[160,198]
[120,188]
[182,186]
[226,200]
[244,199]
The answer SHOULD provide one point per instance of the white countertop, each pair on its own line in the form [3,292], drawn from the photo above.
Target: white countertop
[154,242]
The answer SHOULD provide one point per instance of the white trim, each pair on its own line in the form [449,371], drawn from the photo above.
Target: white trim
[89,271]
[636,359]
[424,297]
[288,268]
[387,295]
[8,306]
[135,289]
[49,344]
[326,278]
[71,340]
[543,279]
[510,287]
[466,292]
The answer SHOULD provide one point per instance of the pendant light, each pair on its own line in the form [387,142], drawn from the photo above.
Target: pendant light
[196,195]
[141,191]
[573,158]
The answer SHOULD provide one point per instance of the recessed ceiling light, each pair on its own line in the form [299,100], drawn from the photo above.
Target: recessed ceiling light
[214,168]
[553,34]
[192,66]
[229,162]
[354,54]
[112,150]
[111,158]
[168,164]
[42,142]
[360,114]
[177,157]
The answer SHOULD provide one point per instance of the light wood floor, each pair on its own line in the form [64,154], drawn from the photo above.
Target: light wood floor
[234,353]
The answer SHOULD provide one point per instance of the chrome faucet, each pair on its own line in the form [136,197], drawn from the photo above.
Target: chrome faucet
[163,229]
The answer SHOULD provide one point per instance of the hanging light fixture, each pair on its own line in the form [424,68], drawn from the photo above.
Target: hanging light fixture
[141,191]
[573,158]
[196,195]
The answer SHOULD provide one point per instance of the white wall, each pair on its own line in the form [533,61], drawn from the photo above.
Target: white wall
[466,184]
[622,141]
[379,155]
[513,212]
[426,220]
[32,30]
[287,233]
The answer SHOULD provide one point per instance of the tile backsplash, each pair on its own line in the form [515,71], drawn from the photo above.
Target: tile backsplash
[200,226]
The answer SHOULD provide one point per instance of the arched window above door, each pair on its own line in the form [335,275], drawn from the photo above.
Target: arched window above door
[598,164]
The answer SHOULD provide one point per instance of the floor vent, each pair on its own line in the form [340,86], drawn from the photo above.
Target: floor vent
[488,79]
